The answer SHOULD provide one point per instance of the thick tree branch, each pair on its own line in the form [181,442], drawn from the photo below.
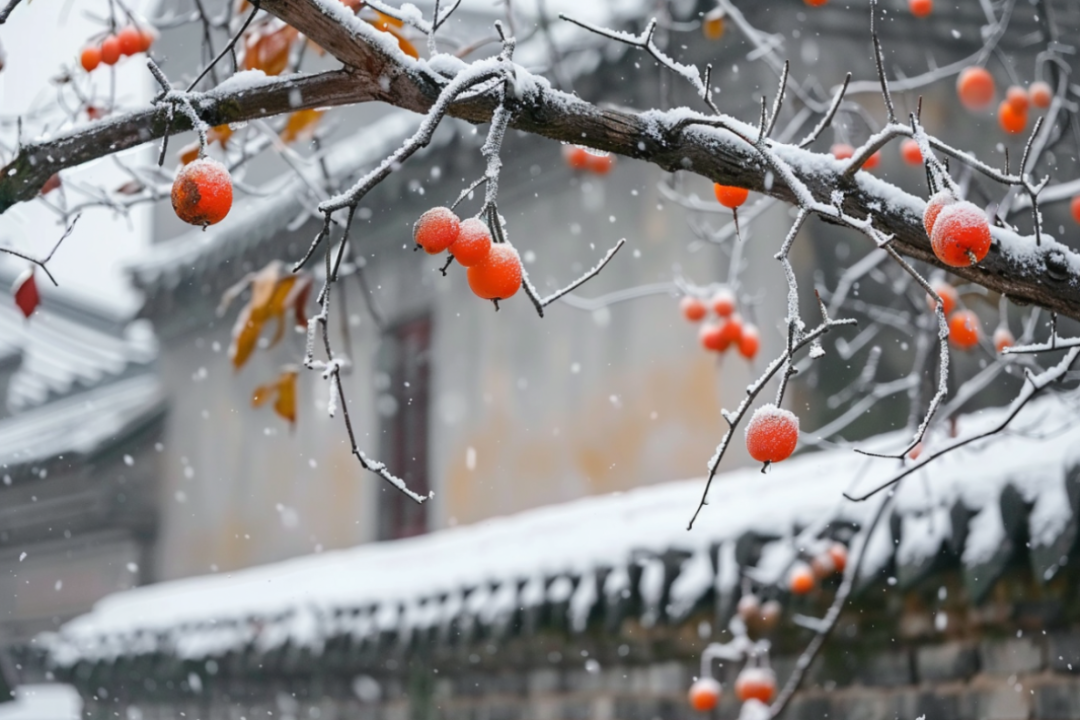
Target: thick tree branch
[1046,275]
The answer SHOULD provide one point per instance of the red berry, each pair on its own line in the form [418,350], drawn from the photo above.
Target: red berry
[90,58]
[710,337]
[934,206]
[749,342]
[839,554]
[1010,119]
[1017,97]
[498,276]
[921,8]
[757,684]
[964,330]
[704,694]
[723,302]
[730,196]
[25,292]
[772,434]
[948,295]
[1040,94]
[731,331]
[842,151]
[473,243]
[815,3]
[130,40]
[975,86]
[692,308]
[110,50]
[801,579]
[1003,339]
[910,152]
[873,161]
[599,163]
[202,192]
[576,156]
[148,36]
[1074,208]
[961,235]
[436,230]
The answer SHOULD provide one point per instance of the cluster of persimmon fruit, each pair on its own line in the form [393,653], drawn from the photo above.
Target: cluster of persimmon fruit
[714,22]
[729,330]
[976,89]
[960,236]
[756,682]
[131,40]
[581,158]
[493,269]
[965,330]
[772,433]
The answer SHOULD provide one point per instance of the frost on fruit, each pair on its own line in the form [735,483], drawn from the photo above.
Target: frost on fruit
[202,192]
[498,277]
[934,206]
[473,243]
[961,235]
[436,230]
[772,434]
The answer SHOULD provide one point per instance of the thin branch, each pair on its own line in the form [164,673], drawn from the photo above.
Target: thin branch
[827,119]
[7,9]
[826,625]
[228,48]
[1034,385]
[879,61]
[540,303]
[733,419]
[43,262]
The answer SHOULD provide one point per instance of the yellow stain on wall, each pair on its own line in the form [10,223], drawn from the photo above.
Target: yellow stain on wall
[663,426]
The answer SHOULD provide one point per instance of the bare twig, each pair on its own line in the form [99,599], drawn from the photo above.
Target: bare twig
[43,262]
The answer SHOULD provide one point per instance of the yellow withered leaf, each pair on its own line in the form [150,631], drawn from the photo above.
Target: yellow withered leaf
[301,125]
[283,389]
[274,291]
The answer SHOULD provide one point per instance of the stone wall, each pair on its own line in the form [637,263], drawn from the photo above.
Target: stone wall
[992,679]
[1014,657]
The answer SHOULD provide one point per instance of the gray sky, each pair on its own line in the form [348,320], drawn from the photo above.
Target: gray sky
[39,39]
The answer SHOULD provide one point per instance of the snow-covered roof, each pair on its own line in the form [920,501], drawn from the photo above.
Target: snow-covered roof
[80,424]
[67,346]
[627,550]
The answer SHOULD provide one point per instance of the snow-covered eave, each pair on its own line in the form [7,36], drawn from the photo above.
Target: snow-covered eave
[79,426]
[582,554]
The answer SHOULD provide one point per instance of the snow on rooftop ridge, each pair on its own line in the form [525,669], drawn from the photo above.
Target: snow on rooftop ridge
[78,424]
[462,570]
[68,346]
